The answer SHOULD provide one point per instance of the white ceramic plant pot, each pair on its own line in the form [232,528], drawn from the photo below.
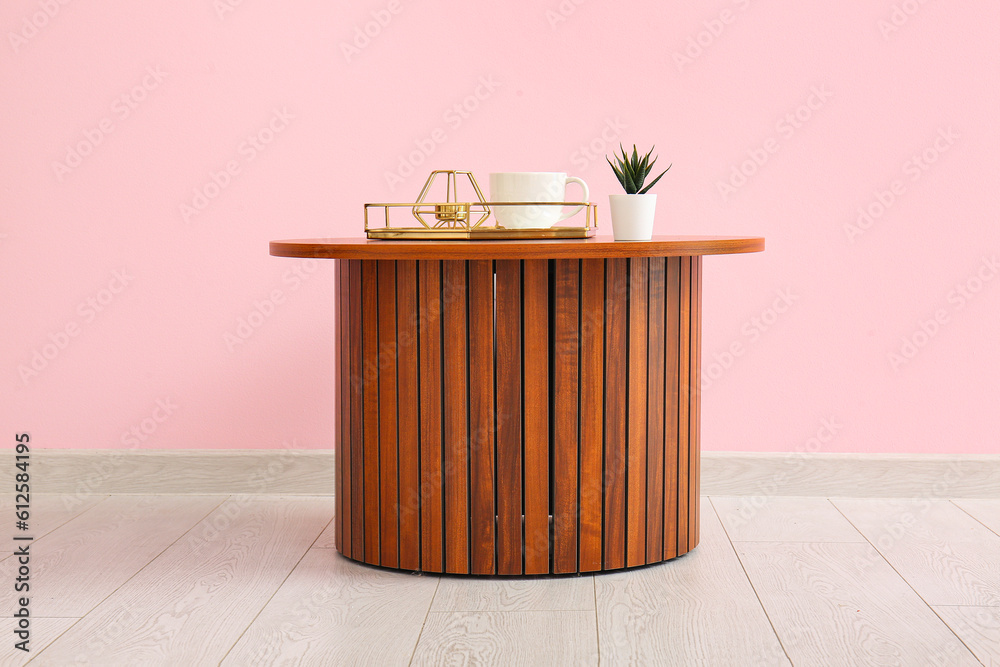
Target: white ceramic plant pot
[632,216]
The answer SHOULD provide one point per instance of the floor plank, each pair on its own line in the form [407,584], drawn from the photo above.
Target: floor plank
[978,627]
[556,594]
[328,538]
[80,563]
[49,511]
[830,609]
[43,632]
[783,519]
[508,638]
[986,511]
[683,612]
[333,611]
[191,604]
[947,556]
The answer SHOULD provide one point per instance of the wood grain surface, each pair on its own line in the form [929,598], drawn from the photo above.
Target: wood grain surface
[370,412]
[388,468]
[615,415]
[596,247]
[566,416]
[456,416]
[482,472]
[638,331]
[591,414]
[357,416]
[508,416]
[408,414]
[331,611]
[536,417]
[89,556]
[431,419]
[947,556]
[697,610]
[189,604]
[510,638]
[830,605]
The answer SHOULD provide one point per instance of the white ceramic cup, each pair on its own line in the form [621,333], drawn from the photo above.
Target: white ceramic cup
[532,186]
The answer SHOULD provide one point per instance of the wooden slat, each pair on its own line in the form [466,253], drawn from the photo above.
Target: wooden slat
[369,406]
[684,407]
[357,424]
[508,416]
[338,439]
[591,412]
[388,454]
[694,482]
[431,453]
[481,423]
[456,402]
[409,422]
[566,376]
[671,374]
[615,365]
[654,413]
[636,503]
[344,493]
[536,417]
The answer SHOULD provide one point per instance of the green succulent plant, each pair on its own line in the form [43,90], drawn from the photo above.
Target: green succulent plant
[632,171]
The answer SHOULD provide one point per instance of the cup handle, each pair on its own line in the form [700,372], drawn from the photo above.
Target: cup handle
[586,197]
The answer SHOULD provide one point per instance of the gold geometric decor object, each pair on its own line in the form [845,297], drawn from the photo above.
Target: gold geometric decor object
[463,214]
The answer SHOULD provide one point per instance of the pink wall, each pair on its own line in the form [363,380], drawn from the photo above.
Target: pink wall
[889,106]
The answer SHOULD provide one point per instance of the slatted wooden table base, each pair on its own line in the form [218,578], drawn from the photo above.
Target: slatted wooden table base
[517,416]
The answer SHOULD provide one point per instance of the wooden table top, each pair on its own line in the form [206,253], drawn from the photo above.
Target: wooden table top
[594,247]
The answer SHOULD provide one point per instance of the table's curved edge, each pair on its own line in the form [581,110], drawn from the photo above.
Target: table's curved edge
[598,247]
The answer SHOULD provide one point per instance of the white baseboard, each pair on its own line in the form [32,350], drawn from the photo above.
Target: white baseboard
[208,471]
[850,475]
[311,472]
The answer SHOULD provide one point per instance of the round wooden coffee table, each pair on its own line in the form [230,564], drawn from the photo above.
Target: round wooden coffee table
[517,407]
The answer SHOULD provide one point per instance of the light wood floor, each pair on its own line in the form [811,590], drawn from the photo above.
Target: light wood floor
[254,580]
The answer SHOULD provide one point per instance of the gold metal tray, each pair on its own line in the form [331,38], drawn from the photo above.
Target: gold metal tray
[462,212]
[453,219]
